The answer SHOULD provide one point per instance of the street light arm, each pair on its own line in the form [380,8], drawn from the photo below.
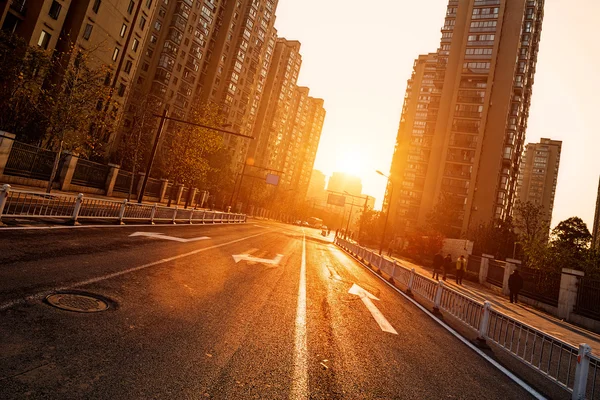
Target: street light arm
[203,126]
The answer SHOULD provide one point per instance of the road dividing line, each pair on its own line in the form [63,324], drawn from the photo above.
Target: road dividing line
[300,378]
[41,295]
[367,298]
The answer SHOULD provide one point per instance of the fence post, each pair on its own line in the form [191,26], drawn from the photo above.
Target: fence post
[581,372]
[438,298]
[174,214]
[411,279]
[153,213]
[483,325]
[191,216]
[122,212]
[76,209]
[3,199]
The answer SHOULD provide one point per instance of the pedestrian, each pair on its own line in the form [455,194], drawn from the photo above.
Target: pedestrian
[461,267]
[438,262]
[515,284]
[447,264]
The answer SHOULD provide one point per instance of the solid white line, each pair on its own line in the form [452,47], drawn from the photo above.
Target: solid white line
[502,369]
[41,295]
[299,388]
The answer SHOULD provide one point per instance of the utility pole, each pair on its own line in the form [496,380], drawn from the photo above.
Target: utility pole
[161,125]
[163,118]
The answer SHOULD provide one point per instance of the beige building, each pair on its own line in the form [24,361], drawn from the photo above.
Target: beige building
[113,33]
[539,173]
[210,52]
[463,123]
[275,116]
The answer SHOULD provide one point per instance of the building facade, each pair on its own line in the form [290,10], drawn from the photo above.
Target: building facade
[539,174]
[213,53]
[463,123]
[113,35]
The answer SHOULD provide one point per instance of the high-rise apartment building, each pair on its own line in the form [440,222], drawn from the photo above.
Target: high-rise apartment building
[463,123]
[210,52]
[539,173]
[112,33]
[275,115]
[341,182]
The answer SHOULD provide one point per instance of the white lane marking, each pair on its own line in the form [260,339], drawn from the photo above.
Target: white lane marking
[41,295]
[246,257]
[157,235]
[502,369]
[299,388]
[367,298]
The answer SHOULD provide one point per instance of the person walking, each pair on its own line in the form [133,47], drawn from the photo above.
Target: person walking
[438,262]
[447,264]
[461,267]
[515,284]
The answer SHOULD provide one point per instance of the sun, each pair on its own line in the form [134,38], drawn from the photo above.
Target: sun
[350,162]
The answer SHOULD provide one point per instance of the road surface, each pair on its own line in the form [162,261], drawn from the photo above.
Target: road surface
[289,317]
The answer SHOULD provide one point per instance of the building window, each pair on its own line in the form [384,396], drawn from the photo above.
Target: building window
[142,23]
[96,6]
[115,54]
[128,66]
[54,10]
[135,44]
[130,7]
[123,30]
[157,25]
[87,31]
[121,91]
[44,40]
[148,3]
[145,67]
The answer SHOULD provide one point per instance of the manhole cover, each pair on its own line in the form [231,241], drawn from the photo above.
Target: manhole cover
[77,302]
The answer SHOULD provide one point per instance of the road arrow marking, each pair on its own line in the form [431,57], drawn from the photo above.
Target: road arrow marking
[247,257]
[172,238]
[367,298]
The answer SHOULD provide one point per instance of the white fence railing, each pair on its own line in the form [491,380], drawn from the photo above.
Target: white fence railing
[574,369]
[24,204]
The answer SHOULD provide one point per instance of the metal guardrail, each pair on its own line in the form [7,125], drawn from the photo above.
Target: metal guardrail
[25,204]
[574,369]
[588,298]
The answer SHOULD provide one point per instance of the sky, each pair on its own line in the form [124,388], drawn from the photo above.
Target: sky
[358,55]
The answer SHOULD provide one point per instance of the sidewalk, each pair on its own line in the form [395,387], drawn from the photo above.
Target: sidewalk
[538,319]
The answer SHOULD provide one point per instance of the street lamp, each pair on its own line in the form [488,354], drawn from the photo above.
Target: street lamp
[349,216]
[387,214]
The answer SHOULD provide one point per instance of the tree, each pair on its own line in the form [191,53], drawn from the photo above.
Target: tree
[136,142]
[75,102]
[572,234]
[423,244]
[446,216]
[532,228]
[190,145]
[24,69]
[497,238]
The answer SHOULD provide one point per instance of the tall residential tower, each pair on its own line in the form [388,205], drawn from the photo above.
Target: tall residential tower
[465,115]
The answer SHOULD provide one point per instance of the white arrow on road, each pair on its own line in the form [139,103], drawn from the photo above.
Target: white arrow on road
[367,298]
[247,257]
[173,238]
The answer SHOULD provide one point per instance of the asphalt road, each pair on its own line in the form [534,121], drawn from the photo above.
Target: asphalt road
[188,322]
